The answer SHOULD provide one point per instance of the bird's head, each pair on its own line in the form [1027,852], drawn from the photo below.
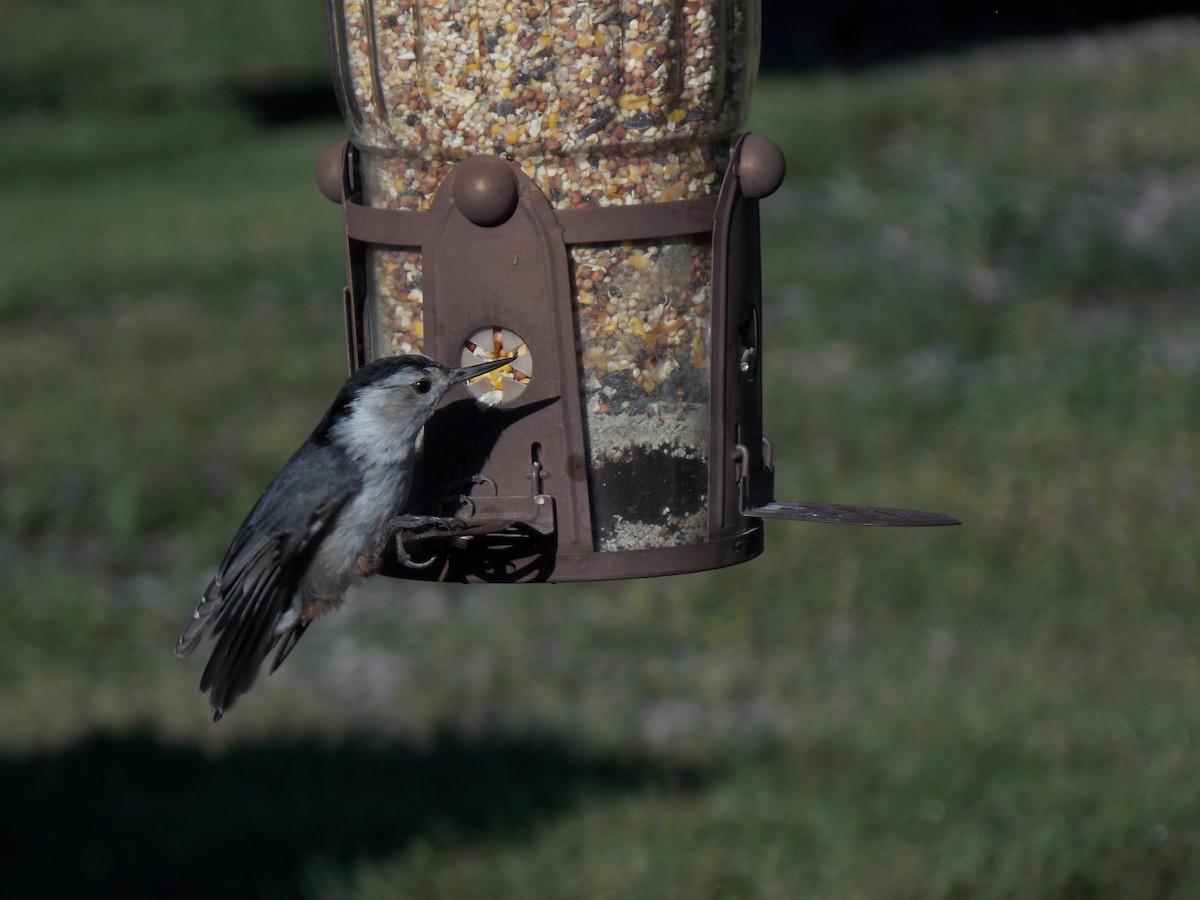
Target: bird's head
[382,407]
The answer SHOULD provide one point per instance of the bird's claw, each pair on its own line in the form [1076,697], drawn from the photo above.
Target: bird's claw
[453,491]
[409,563]
[416,526]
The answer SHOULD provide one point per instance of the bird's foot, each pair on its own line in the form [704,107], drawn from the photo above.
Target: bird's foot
[420,524]
[407,528]
[418,527]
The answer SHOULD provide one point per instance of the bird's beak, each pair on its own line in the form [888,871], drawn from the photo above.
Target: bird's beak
[466,373]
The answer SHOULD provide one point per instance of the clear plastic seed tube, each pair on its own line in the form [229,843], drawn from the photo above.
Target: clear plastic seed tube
[599,103]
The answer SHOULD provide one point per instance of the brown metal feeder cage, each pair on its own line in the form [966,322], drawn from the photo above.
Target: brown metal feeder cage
[627,439]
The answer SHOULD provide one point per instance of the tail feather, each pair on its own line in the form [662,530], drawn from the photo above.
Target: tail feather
[247,615]
[244,640]
[236,575]
[232,673]
[209,606]
[253,603]
[233,634]
[289,642]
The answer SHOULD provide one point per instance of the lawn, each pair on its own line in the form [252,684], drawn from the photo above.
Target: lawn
[982,297]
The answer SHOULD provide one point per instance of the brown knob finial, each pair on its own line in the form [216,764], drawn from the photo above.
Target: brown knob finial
[485,190]
[761,166]
[329,170]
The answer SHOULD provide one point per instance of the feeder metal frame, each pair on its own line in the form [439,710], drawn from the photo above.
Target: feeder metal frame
[490,235]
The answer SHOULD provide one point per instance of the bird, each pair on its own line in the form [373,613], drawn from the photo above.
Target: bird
[322,523]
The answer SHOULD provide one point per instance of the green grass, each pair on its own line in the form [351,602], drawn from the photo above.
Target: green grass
[142,55]
[982,287]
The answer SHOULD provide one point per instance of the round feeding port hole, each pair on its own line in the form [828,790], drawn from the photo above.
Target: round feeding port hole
[500,386]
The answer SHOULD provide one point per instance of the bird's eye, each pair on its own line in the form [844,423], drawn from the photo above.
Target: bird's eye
[423,386]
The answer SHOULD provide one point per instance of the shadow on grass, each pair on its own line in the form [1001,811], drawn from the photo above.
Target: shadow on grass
[131,816]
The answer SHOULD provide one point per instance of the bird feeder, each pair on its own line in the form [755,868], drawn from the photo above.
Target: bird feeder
[563,183]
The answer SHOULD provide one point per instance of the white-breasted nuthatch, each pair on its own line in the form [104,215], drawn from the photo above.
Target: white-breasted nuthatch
[321,523]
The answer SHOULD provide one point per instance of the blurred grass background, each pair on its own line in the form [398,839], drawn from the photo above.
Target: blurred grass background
[982,282]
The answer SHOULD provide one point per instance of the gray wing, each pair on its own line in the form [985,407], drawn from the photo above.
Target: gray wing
[256,585]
